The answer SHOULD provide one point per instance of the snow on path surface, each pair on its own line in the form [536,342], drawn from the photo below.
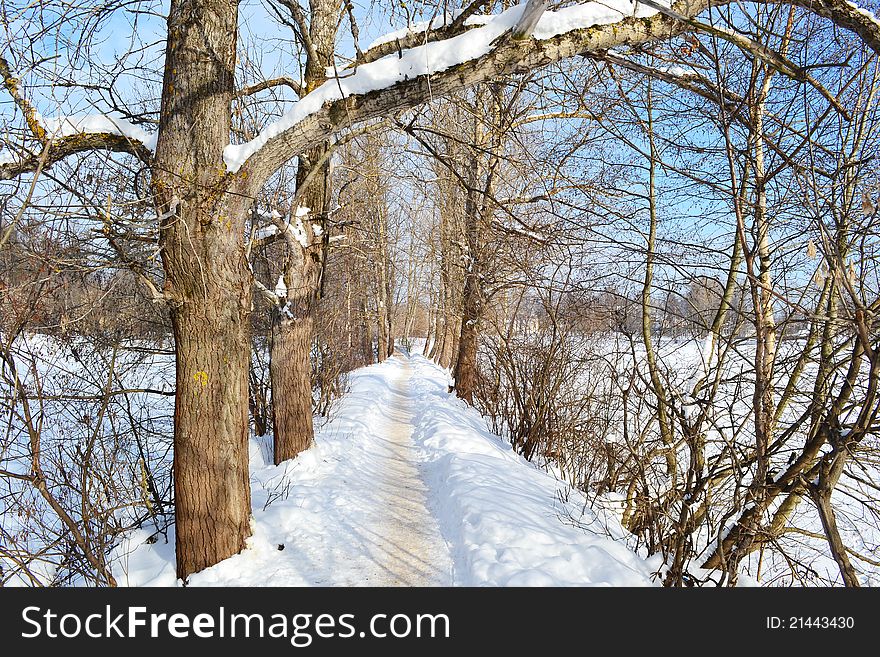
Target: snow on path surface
[405,487]
[405,546]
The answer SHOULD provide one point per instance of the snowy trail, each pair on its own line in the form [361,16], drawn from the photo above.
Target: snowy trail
[406,486]
[351,511]
[407,548]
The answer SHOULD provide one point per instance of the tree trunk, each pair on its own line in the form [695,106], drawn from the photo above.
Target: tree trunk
[835,543]
[388,281]
[465,372]
[429,331]
[439,334]
[207,284]
[829,474]
[366,334]
[477,214]
[443,351]
[450,345]
[381,326]
[293,324]
[212,486]
[290,372]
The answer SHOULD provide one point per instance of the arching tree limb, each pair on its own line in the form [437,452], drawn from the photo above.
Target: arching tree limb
[507,57]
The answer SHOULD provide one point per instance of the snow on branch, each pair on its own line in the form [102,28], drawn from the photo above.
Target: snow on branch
[12,165]
[447,61]
[67,135]
[415,29]
[469,50]
[63,136]
[417,34]
[431,58]
[72,126]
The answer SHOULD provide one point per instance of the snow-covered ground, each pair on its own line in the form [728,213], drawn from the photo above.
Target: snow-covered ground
[506,521]
[406,486]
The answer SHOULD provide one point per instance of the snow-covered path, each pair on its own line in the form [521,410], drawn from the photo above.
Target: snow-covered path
[403,543]
[352,511]
[405,487]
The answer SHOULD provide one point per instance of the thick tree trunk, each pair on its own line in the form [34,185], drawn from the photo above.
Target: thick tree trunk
[439,333]
[442,346]
[293,323]
[476,215]
[207,284]
[212,489]
[290,373]
[465,372]
[443,351]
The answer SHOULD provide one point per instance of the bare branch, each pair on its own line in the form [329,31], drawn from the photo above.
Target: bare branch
[774,59]
[355,32]
[303,34]
[268,84]
[505,58]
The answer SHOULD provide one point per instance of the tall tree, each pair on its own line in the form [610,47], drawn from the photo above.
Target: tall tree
[293,317]
[207,283]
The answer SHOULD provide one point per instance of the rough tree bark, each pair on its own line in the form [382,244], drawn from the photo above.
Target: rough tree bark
[384,292]
[478,215]
[465,370]
[207,285]
[821,491]
[293,325]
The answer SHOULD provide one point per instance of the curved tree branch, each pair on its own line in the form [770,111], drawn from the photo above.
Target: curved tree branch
[268,84]
[506,57]
[58,149]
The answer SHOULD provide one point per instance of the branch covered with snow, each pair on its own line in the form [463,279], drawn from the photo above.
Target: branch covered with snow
[63,136]
[399,81]
[406,78]
[454,56]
